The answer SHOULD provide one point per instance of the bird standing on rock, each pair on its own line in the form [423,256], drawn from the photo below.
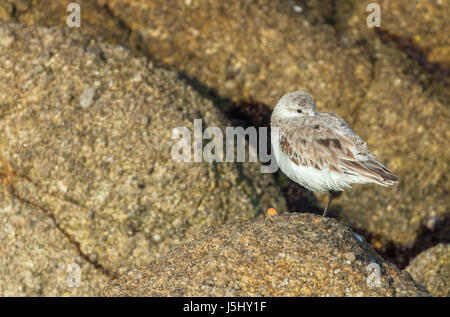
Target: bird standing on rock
[319,151]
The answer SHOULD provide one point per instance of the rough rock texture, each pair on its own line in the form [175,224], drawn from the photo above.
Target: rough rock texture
[431,268]
[86,143]
[96,21]
[35,256]
[263,49]
[285,255]
[243,49]
[405,128]
[425,22]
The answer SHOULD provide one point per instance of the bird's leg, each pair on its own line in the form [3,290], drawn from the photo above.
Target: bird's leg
[330,198]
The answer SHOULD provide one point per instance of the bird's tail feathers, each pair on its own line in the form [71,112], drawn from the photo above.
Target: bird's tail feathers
[381,175]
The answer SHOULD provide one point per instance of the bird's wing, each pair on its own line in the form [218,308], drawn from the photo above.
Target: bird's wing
[331,144]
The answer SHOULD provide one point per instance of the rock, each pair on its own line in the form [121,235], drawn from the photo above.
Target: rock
[103,176]
[242,49]
[425,22]
[285,255]
[96,22]
[396,114]
[431,268]
[36,256]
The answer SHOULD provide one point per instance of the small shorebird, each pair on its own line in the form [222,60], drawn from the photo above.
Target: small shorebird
[319,151]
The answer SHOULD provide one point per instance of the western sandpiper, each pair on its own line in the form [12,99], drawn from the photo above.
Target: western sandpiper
[319,151]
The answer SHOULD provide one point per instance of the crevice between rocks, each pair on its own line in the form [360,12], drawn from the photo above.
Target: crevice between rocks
[437,71]
[135,42]
[427,238]
[7,176]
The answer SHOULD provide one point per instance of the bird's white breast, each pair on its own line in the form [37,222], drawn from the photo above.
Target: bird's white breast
[313,179]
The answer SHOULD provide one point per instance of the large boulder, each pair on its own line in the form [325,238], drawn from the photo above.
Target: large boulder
[86,145]
[285,255]
[431,268]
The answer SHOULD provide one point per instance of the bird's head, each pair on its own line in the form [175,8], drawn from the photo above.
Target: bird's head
[295,104]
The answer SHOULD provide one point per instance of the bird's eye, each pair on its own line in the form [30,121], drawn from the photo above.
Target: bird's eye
[299,110]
